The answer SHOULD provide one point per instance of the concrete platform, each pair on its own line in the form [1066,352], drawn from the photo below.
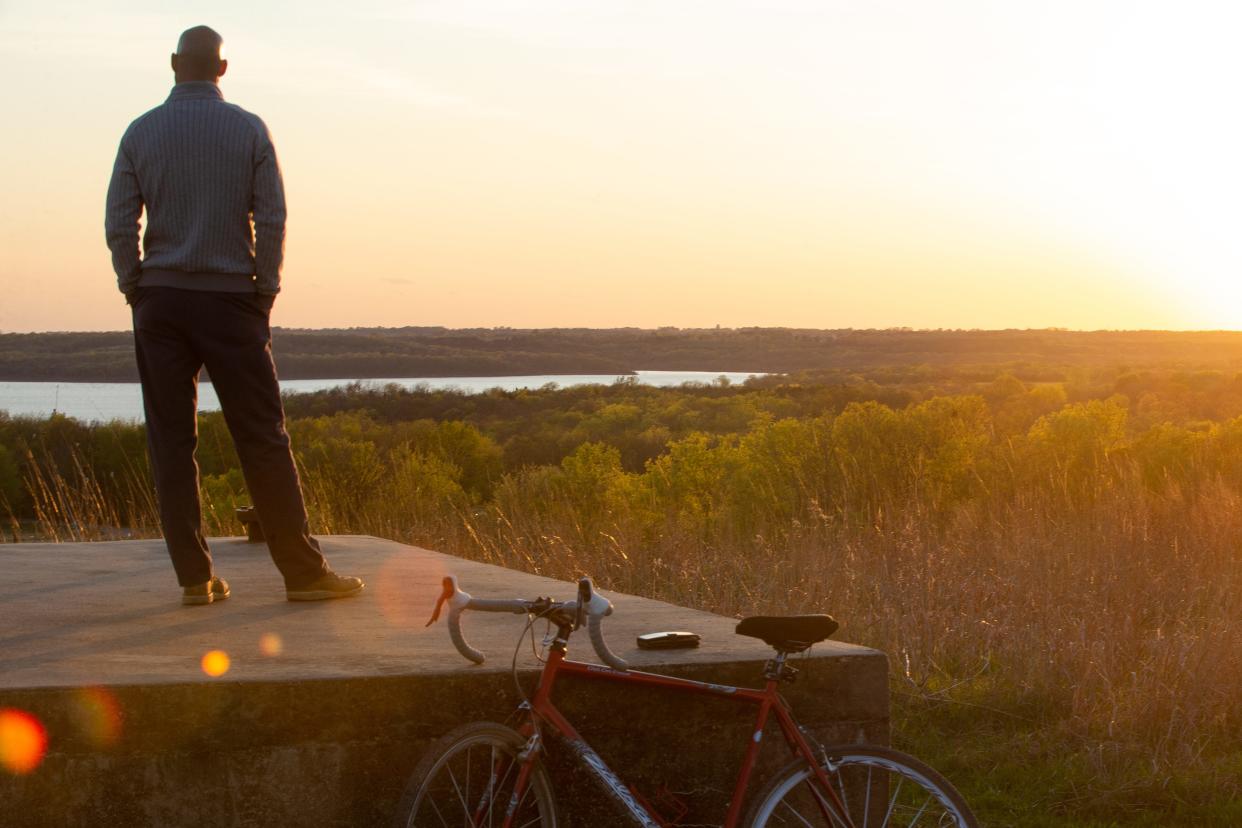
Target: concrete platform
[325,707]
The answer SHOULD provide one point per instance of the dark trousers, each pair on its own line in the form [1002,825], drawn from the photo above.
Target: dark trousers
[176,333]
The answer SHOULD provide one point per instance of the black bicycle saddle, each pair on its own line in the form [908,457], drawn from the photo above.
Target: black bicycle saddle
[788,633]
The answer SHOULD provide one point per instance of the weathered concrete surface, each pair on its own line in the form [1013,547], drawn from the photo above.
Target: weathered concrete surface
[94,642]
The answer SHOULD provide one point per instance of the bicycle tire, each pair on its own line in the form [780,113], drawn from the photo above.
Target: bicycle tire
[880,787]
[450,785]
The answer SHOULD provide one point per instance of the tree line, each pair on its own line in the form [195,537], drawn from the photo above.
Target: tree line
[440,352]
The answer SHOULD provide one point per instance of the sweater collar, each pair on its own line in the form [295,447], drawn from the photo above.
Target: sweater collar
[195,90]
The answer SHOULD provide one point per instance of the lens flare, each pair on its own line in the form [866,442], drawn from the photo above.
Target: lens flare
[215,663]
[270,644]
[23,741]
[392,589]
[98,715]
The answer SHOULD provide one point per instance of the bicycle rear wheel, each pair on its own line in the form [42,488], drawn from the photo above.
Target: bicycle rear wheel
[467,779]
[880,788]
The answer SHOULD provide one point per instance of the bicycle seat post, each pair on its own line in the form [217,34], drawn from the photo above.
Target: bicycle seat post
[775,669]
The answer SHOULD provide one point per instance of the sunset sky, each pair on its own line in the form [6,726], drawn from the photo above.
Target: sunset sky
[965,163]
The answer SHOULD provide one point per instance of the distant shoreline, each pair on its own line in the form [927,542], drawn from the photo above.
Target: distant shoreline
[103,402]
[378,353]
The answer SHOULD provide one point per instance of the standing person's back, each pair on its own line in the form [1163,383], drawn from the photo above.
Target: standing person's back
[206,167]
[202,290]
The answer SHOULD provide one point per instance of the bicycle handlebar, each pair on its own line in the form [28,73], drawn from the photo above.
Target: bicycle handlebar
[590,603]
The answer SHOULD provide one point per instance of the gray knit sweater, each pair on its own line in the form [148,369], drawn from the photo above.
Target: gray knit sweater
[207,174]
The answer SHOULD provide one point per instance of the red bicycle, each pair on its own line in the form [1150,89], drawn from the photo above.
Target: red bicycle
[488,774]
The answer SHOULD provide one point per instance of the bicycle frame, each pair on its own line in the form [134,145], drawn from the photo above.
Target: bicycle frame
[542,711]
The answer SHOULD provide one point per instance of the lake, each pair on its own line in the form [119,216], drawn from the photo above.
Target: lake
[123,400]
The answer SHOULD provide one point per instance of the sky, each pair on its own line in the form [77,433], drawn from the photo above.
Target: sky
[599,163]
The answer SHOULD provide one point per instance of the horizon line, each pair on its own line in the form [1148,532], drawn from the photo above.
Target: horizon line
[676,328]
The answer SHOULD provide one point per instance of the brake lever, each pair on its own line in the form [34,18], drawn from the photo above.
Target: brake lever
[584,598]
[446,593]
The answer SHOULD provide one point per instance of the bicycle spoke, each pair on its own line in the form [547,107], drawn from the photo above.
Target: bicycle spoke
[892,803]
[799,816]
[473,817]
[825,804]
[509,766]
[877,787]
[525,792]
[491,787]
[469,815]
[469,779]
[494,785]
[922,810]
[465,806]
[867,801]
[845,801]
[439,815]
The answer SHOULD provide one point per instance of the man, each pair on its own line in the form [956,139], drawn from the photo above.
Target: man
[201,293]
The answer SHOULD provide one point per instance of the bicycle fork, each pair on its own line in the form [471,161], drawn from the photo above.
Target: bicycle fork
[525,762]
[595,763]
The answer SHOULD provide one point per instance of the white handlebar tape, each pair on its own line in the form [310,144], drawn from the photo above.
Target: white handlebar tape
[594,624]
[459,601]
[459,640]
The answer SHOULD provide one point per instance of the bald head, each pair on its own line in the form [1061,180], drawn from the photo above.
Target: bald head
[198,55]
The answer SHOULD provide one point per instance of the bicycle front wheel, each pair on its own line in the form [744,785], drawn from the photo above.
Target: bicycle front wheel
[468,779]
[879,787]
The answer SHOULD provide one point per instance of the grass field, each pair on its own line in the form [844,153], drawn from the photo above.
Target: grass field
[1057,588]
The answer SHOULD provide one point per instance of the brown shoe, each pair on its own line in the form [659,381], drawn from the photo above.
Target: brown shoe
[328,586]
[217,589]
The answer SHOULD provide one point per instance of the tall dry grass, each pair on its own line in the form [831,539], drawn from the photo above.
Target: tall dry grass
[1107,616]
[74,504]
[1119,622]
